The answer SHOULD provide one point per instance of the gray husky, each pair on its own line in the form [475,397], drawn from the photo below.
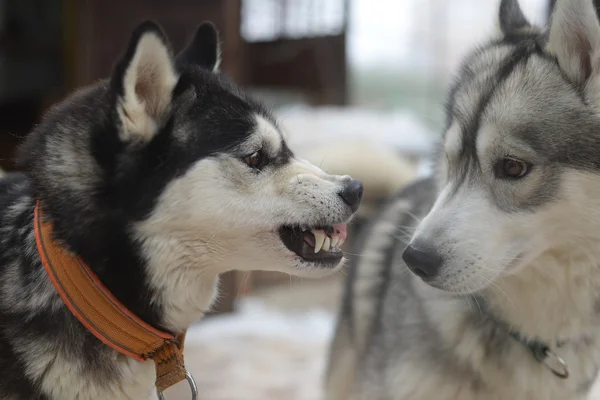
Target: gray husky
[160,178]
[484,281]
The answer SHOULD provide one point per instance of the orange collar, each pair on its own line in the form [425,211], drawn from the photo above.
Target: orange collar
[103,315]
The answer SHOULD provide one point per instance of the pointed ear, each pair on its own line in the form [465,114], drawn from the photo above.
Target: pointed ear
[575,39]
[144,80]
[511,17]
[203,50]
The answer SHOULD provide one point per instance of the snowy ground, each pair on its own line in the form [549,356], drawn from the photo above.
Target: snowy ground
[273,348]
[258,354]
[262,354]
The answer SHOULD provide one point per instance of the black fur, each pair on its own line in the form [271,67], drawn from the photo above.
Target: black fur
[511,17]
[203,49]
[93,190]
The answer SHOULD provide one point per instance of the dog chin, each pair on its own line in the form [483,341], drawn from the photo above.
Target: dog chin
[316,248]
[268,253]
[317,270]
[464,287]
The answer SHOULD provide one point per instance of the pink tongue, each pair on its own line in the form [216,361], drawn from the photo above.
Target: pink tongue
[340,230]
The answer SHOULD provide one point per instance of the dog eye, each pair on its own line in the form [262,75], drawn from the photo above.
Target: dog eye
[510,168]
[256,160]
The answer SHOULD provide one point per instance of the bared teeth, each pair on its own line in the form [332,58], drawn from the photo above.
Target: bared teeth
[334,241]
[327,243]
[319,240]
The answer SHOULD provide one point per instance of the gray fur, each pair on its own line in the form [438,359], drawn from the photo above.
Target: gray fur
[511,17]
[518,254]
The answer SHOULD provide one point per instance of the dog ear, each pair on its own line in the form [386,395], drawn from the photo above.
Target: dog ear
[511,17]
[574,39]
[144,80]
[203,50]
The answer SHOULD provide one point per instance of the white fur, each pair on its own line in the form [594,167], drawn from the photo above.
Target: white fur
[469,230]
[268,133]
[148,85]
[453,140]
[564,286]
[65,378]
[222,216]
[564,278]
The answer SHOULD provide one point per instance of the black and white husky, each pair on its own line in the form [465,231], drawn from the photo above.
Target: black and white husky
[160,178]
[484,282]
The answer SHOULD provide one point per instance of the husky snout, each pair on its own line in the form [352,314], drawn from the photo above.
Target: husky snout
[423,261]
[462,243]
[352,193]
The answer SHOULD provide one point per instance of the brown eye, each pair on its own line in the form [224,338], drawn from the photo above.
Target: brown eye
[256,160]
[511,168]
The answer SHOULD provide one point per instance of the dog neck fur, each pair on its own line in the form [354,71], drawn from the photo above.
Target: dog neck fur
[184,274]
[555,296]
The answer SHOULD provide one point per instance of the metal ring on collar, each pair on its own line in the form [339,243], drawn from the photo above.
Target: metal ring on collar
[192,384]
[556,364]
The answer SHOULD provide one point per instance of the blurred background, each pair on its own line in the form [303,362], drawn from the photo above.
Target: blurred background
[358,85]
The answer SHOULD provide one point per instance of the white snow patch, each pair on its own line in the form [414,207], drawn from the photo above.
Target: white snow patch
[254,318]
[257,353]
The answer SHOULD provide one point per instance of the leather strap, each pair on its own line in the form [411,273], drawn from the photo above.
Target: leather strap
[102,314]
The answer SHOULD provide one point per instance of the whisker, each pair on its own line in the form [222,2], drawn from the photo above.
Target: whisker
[477,302]
[403,238]
[413,216]
[323,160]
[354,254]
[495,286]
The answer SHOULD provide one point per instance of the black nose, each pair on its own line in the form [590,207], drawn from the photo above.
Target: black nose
[352,193]
[423,263]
